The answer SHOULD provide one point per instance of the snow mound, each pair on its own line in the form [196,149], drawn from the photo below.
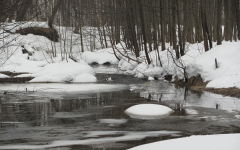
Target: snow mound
[85,77]
[100,57]
[207,142]
[65,72]
[113,122]
[228,72]
[3,76]
[148,111]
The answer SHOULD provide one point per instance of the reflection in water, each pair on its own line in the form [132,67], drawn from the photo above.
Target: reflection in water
[72,119]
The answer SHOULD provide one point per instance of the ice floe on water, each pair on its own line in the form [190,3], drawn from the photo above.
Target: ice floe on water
[148,111]
[112,122]
[191,111]
[96,139]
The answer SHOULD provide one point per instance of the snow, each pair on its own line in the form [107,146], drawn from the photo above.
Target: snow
[3,76]
[113,122]
[64,72]
[124,136]
[100,56]
[202,142]
[150,78]
[148,111]
[85,77]
[196,61]
[60,87]
[228,72]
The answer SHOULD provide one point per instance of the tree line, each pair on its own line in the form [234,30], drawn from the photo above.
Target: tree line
[143,25]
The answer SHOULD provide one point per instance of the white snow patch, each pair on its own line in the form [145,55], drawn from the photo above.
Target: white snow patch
[191,111]
[148,111]
[125,136]
[3,76]
[100,57]
[65,72]
[85,77]
[205,142]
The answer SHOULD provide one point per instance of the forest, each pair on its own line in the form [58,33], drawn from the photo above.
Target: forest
[120,74]
[141,24]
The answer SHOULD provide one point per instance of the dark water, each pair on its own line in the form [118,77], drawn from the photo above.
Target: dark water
[97,120]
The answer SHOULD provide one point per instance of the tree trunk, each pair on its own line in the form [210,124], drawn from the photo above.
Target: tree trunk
[219,22]
[143,30]
[55,9]
[203,16]
[162,26]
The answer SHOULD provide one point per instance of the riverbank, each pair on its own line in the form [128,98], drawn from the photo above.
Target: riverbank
[194,83]
[197,84]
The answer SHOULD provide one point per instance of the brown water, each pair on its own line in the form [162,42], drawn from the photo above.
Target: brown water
[97,120]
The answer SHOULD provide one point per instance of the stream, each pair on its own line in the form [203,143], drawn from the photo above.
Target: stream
[95,120]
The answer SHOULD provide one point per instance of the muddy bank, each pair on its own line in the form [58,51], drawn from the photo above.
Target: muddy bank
[197,84]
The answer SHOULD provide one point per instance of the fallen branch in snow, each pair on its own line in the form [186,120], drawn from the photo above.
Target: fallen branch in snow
[126,55]
[182,66]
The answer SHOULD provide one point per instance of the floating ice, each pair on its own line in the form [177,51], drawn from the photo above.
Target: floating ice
[113,122]
[148,111]
[124,136]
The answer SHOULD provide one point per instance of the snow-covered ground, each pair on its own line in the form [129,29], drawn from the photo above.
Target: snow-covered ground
[196,61]
[204,142]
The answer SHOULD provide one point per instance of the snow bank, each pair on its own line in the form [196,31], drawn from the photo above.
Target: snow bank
[65,72]
[196,61]
[208,142]
[3,76]
[168,65]
[100,56]
[148,111]
[228,72]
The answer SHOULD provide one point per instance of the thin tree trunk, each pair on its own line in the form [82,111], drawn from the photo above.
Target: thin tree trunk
[55,9]
[143,30]
[219,26]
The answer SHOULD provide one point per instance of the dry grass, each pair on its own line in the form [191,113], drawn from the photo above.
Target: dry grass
[233,92]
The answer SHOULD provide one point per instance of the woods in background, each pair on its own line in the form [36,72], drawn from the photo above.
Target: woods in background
[143,25]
